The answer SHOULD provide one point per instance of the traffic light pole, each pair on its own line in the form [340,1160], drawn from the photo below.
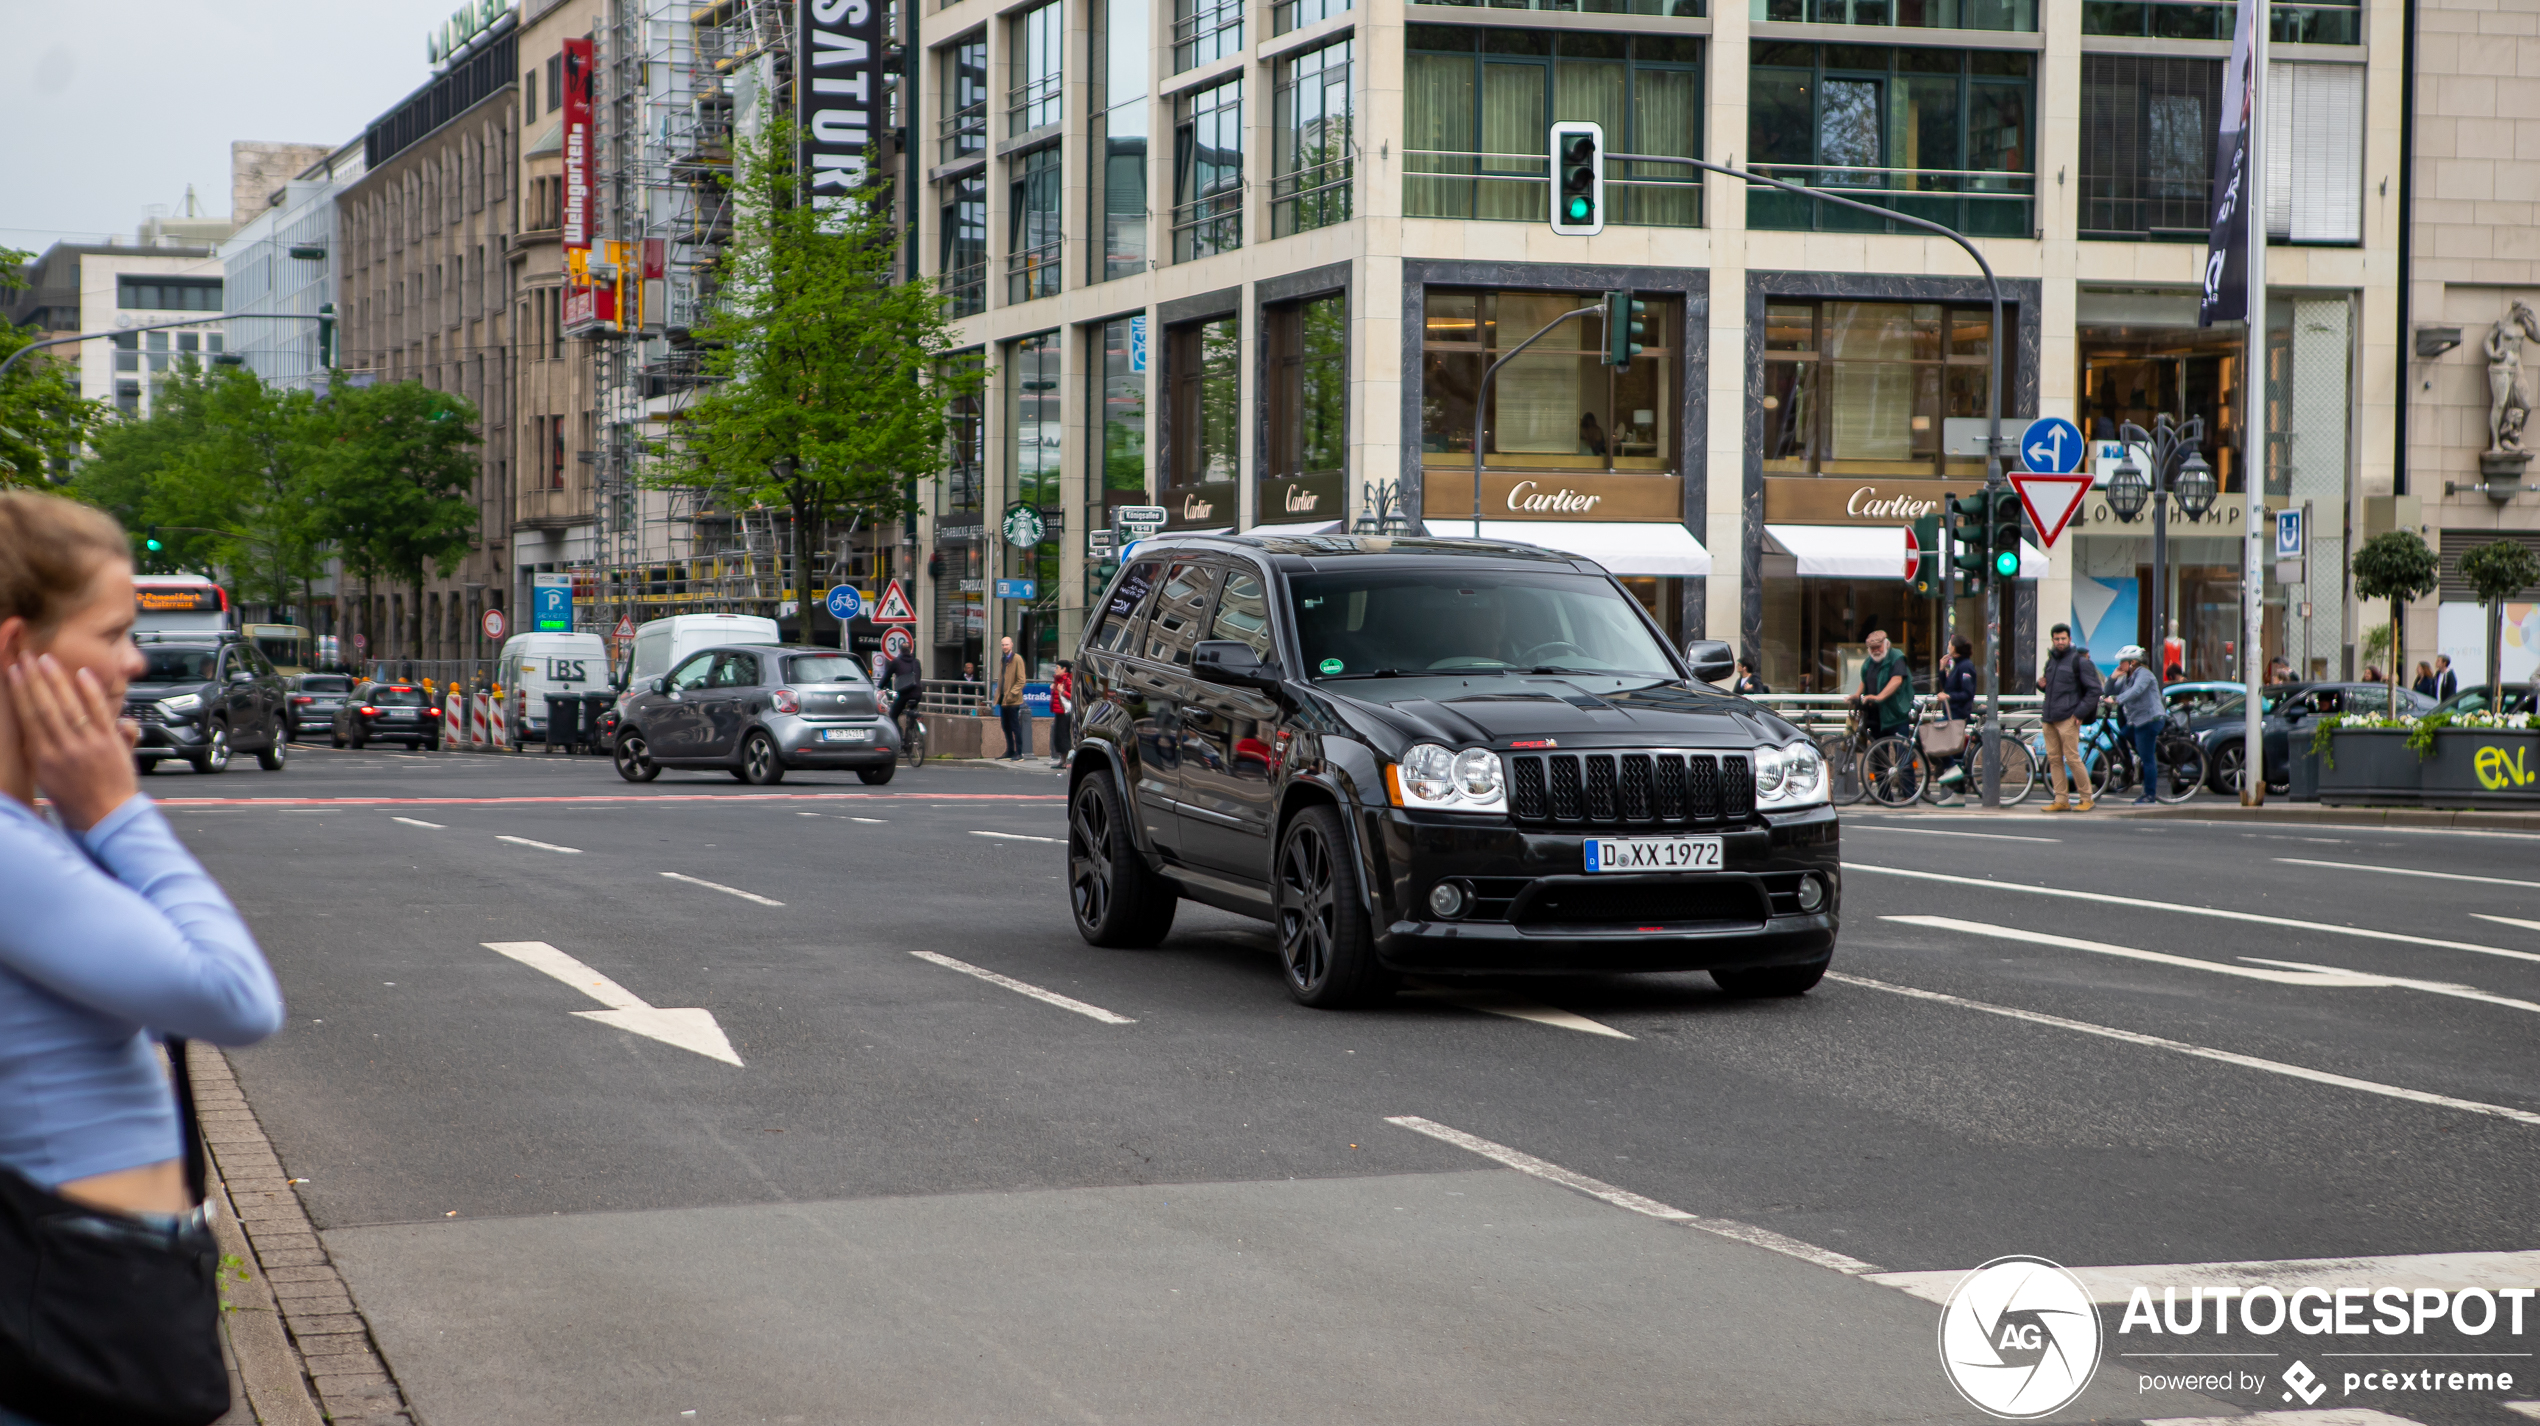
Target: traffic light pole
[1993,478]
[325,319]
[1481,402]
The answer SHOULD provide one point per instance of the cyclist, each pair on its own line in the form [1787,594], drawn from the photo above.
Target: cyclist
[905,677]
[1886,694]
[2137,694]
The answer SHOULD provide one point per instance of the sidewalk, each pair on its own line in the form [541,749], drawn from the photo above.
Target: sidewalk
[2216,809]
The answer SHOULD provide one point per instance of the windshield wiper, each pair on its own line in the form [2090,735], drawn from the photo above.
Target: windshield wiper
[1372,673]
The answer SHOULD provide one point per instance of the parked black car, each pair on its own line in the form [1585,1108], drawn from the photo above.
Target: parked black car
[380,712]
[1436,756]
[756,710]
[2213,714]
[2517,698]
[314,699]
[202,698]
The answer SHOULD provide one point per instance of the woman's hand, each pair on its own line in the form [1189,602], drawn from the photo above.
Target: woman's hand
[79,749]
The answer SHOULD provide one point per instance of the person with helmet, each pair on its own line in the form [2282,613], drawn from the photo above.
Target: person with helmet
[2137,694]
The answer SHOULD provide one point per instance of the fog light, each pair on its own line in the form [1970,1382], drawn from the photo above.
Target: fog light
[1812,893]
[1447,900]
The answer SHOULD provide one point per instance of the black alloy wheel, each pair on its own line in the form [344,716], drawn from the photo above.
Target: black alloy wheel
[1117,901]
[635,759]
[760,762]
[1326,947]
[215,755]
[1767,981]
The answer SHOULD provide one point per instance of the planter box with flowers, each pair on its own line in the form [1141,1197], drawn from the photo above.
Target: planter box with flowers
[2474,760]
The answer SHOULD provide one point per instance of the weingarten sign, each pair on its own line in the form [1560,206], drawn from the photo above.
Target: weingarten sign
[841,51]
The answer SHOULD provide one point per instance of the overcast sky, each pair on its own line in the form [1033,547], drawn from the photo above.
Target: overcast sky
[108,106]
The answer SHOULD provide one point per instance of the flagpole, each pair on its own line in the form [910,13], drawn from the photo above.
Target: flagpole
[2253,477]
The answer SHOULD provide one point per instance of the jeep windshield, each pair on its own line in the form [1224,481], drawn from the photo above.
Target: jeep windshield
[1447,621]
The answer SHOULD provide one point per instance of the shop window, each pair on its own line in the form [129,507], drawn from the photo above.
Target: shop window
[1119,413]
[1942,135]
[1312,156]
[1203,366]
[1558,407]
[1208,172]
[1117,141]
[1478,104]
[1875,388]
[1309,389]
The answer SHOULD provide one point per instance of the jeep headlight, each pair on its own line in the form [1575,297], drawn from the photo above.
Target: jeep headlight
[181,703]
[1791,776]
[1437,779]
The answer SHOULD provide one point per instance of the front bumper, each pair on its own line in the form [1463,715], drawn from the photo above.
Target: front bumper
[1535,908]
[799,742]
[170,740]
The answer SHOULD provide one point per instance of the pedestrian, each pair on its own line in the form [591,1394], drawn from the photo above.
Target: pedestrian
[969,672]
[1747,685]
[2279,670]
[1062,711]
[2070,682]
[2372,673]
[115,938]
[2138,697]
[2425,679]
[1958,681]
[2446,682]
[1010,712]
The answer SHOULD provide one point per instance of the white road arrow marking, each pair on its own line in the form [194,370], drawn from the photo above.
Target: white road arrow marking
[689,1029]
[1496,1003]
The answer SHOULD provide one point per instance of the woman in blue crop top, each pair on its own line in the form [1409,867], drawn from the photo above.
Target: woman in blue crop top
[113,936]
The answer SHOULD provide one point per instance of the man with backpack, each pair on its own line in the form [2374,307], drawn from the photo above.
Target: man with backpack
[2070,682]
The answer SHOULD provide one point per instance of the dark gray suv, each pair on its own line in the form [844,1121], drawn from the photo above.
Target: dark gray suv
[755,711]
[203,698]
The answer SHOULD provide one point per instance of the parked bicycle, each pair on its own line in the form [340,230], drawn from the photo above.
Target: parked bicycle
[2018,776]
[1861,762]
[2109,756]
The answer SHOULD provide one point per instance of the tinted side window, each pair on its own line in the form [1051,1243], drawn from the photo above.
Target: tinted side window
[1243,614]
[1120,612]
[1179,606]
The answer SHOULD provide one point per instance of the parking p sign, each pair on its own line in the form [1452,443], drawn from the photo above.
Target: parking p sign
[550,606]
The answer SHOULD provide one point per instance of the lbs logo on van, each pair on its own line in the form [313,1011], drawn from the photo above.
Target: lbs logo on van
[2019,1338]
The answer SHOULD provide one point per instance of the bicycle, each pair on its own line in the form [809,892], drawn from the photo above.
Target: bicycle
[912,734]
[2115,766]
[2018,777]
[1860,762]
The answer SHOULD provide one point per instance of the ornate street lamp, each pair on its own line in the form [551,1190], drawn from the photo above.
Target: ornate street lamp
[2177,465]
[2128,489]
[2195,485]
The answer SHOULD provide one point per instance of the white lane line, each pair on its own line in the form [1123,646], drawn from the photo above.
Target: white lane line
[2290,1071]
[1936,832]
[2453,1272]
[1526,1163]
[1046,997]
[542,846]
[2288,972]
[411,822]
[876,820]
[2410,871]
[1018,837]
[1495,1003]
[2508,921]
[719,886]
[2251,917]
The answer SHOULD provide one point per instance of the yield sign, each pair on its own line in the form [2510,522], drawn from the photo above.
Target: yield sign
[893,607]
[2051,500]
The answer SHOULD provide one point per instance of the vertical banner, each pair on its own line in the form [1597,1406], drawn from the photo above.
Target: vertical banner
[839,103]
[577,144]
[2226,295]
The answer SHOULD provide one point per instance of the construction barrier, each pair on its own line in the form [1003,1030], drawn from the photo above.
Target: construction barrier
[497,726]
[453,721]
[476,720]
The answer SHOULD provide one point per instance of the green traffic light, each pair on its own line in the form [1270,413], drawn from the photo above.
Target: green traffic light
[1578,209]
[2006,563]
[153,546]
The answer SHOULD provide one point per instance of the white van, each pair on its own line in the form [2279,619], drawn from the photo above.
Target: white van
[535,665]
[661,644]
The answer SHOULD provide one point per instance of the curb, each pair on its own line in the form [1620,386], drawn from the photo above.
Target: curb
[2313,814]
[304,1352]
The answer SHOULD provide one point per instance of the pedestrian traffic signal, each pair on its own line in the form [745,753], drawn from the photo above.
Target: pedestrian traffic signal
[1930,579]
[1626,327]
[1578,179]
[2004,542]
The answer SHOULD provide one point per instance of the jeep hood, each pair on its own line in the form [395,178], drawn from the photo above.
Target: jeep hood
[1574,710]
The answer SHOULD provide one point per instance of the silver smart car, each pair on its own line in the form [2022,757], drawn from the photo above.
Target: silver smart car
[756,711]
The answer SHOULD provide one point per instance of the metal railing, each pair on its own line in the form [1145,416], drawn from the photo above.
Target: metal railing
[1506,187]
[1033,104]
[954,698]
[1820,713]
[1985,202]
[964,132]
[1197,35]
[1032,272]
[1314,197]
[965,289]
[1211,223]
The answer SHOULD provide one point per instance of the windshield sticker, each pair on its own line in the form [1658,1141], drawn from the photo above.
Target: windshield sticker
[1331,666]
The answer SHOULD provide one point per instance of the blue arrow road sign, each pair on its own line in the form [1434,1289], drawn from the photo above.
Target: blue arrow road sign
[1018,589]
[2052,446]
[847,602]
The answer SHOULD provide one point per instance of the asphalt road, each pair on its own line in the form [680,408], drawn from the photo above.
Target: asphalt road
[926,1196]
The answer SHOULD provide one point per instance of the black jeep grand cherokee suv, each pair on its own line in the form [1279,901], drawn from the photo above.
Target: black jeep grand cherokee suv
[1441,757]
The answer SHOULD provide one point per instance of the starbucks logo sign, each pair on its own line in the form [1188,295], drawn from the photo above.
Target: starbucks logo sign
[1023,526]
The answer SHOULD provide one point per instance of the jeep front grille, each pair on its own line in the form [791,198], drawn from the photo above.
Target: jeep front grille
[1630,789]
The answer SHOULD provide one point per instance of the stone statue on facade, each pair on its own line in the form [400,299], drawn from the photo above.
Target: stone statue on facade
[2507,408]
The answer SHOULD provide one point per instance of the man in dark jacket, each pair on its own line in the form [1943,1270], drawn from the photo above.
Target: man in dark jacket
[2070,682]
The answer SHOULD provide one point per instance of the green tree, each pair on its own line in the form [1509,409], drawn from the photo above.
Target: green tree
[44,423]
[829,386]
[2395,565]
[393,488]
[2497,571]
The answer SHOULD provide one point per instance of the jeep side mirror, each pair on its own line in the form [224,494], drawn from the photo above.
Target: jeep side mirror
[1231,661]
[1710,659]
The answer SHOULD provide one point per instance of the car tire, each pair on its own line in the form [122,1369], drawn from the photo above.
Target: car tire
[215,755]
[1116,900]
[1762,982]
[337,737]
[876,776]
[432,745]
[275,758]
[761,764]
[634,758]
[1327,948]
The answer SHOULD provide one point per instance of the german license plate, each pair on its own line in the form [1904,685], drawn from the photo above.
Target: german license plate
[846,735]
[1653,854]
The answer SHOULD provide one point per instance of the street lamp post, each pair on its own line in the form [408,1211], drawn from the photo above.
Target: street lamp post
[2176,463]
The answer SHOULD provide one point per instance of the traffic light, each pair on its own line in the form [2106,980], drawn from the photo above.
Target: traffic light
[150,541]
[1626,327]
[1928,580]
[1578,179]
[326,336]
[2004,542]
[1971,556]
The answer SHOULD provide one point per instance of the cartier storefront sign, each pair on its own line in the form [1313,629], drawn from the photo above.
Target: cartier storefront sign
[1516,495]
[1882,500]
[1296,499]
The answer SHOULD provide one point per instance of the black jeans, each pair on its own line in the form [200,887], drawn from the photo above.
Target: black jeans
[1010,716]
[1061,724]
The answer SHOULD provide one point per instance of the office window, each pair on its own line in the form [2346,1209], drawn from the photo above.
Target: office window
[966,467]
[1118,412]
[127,351]
[1205,31]
[965,122]
[168,294]
[2318,24]
[2314,152]
[1558,407]
[1032,229]
[1203,364]
[1478,104]
[1870,388]
[1681,9]
[2015,15]
[1309,389]
[529,94]
[1208,172]
[555,82]
[128,397]
[1312,158]
[1037,44]
[965,244]
[1940,134]
[1289,15]
[2147,145]
[1117,141]
[1034,421]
